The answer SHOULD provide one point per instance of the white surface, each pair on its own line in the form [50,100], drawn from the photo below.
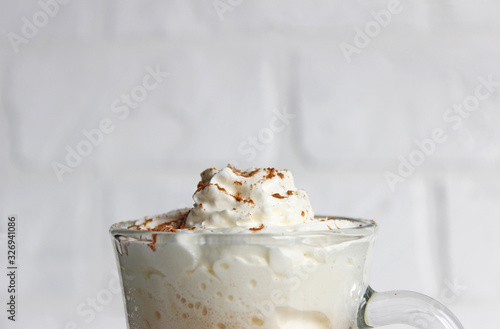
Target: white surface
[227,79]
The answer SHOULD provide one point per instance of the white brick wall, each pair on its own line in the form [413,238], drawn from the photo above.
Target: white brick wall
[228,78]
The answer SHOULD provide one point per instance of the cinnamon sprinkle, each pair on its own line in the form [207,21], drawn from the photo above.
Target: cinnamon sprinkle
[219,187]
[278,196]
[172,226]
[328,219]
[249,201]
[257,228]
[152,245]
[165,227]
[237,197]
[289,192]
[280,175]
[324,219]
[138,227]
[243,173]
[201,186]
[271,172]
[303,214]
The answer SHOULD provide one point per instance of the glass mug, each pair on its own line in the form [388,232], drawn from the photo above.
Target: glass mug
[290,280]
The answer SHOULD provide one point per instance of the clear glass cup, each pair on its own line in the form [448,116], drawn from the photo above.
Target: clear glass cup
[313,280]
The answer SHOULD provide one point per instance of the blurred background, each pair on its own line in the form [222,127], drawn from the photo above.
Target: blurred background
[387,110]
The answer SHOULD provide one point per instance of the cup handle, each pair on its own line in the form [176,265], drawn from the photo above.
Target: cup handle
[404,307]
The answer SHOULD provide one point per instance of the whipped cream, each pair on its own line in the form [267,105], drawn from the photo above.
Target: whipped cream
[251,198]
[231,201]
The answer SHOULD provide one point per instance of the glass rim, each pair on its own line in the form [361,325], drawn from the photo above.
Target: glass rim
[365,227]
